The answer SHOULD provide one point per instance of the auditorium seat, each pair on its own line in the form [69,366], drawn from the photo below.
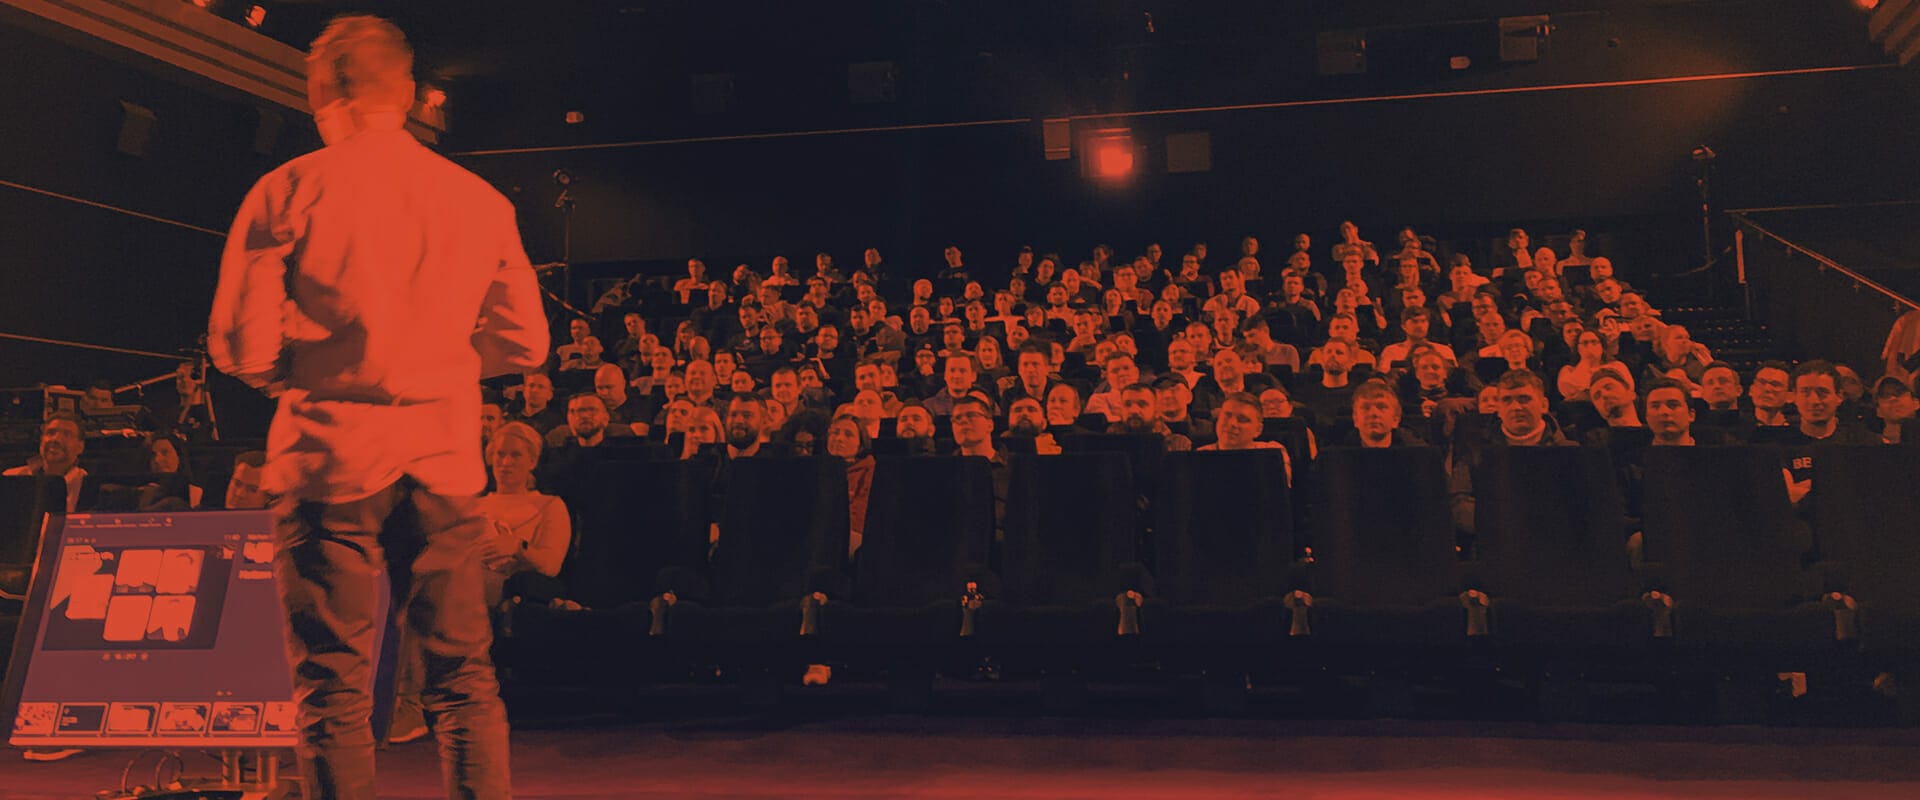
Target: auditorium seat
[1385,568]
[1068,552]
[929,528]
[1551,549]
[783,537]
[1864,516]
[1223,550]
[639,529]
[1724,539]
[25,500]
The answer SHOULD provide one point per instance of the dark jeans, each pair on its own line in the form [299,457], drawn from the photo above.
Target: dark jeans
[329,557]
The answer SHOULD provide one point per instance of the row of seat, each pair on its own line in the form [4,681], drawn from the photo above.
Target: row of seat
[1213,553]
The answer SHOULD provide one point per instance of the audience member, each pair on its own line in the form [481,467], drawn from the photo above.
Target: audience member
[245,486]
[61,444]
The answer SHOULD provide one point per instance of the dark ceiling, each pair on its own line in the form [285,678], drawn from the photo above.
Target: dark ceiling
[513,69]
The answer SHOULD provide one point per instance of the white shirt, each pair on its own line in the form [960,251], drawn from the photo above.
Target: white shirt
[371,285]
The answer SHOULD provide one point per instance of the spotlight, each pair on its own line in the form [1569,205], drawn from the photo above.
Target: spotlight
[256,16]
[1113,161]
[1867,5]
[1110,155]
[576,117]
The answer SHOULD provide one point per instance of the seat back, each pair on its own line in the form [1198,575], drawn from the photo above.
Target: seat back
[1719,520]
[1382,532]
[1223,528]
[929,527]
[1864,521]
[632,519]
[1070,530]
[25,500]
[1144,452]
[783,529]
[1550,526]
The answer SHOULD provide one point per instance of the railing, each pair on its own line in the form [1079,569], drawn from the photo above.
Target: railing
[1830,311]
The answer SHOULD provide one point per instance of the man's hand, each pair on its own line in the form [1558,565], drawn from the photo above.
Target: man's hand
[1797,490]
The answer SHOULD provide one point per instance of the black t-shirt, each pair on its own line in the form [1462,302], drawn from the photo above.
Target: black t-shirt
[1798,450]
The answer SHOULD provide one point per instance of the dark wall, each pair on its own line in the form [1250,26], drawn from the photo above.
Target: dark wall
[1455,166]
[92,275]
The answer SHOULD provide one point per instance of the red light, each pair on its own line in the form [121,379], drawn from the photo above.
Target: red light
[576,117]
[1113,157]
[203,3]
[256,16]
[1867,5]
[435,98]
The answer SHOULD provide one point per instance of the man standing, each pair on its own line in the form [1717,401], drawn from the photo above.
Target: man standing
[371,285]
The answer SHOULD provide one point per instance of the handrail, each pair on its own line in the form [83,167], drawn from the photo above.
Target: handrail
[1827,262]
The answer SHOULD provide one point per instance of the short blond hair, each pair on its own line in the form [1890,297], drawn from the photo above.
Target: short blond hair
[366,58]
[515,430]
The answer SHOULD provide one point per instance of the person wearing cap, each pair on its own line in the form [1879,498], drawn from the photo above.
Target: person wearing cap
[923,379]
[1895,406]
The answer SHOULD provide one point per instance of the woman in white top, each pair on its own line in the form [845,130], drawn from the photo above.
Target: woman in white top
[532,531]
[1575,378]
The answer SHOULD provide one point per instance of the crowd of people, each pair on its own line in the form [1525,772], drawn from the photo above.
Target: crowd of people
[1352,345]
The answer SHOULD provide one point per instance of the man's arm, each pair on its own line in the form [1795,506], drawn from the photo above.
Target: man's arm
[246,332]
[511,335]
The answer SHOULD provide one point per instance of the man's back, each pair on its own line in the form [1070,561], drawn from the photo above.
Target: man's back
[389,253]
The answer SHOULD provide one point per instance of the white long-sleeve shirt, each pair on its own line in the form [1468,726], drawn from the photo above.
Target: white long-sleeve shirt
[372,284]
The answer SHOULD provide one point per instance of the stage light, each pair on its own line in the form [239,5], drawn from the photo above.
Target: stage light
[256,16]
[1867,5]
[576,117]
[1458,63]
[1110,155]
[434,98]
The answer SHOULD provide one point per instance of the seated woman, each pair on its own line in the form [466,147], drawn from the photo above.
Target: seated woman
[1676,355]
[166,455]
[703,428]
[847,440]
[531,531]
[522,557]
[1590,353]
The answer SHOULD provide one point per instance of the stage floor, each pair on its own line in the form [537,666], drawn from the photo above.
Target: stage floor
[919,757]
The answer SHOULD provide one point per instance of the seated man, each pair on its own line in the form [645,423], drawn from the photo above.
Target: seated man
[973,436]
[914,426]
[1521,400]
[60,447]
[587,422]
[1613,403]
[1415,323]
[1376,418]
[1238,422]
[1670,415]
[1140,414]
[627,414]
[1173,396]
[1816,393]
[959,379]
[1331,396]
[243,488]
